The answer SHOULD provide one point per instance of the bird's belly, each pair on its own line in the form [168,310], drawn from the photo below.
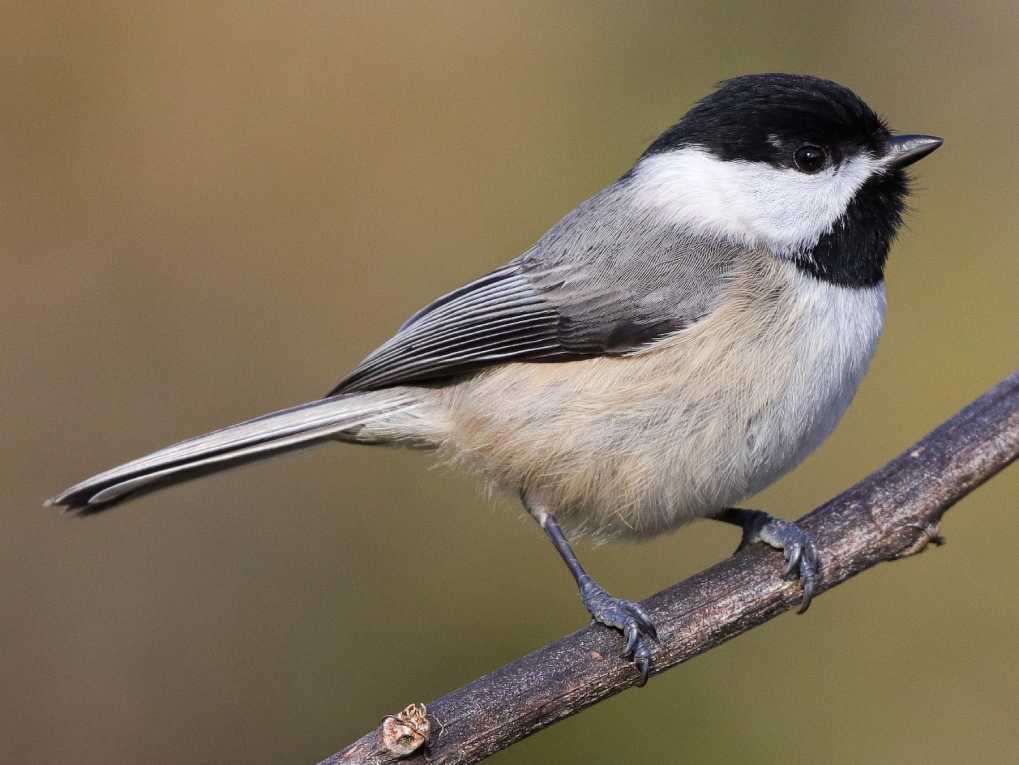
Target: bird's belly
[635,446]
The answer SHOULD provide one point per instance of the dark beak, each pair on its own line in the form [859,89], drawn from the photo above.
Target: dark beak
[903,150]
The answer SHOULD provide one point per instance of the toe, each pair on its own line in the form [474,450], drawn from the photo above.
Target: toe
[637,626]
[643,620]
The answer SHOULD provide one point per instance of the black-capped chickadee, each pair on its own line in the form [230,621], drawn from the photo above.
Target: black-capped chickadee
[673,345]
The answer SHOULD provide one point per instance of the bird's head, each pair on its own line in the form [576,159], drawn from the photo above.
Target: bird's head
[795,164]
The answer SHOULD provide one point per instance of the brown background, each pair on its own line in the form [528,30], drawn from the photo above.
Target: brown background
[210,210]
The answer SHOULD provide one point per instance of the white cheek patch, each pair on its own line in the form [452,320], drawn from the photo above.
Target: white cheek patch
[752,202]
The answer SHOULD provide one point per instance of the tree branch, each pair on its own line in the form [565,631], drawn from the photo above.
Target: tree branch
[892,513]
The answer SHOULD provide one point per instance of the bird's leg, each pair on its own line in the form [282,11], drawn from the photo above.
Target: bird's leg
[628,617]
[801,558]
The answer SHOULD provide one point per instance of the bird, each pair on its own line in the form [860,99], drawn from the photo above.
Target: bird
[670,347]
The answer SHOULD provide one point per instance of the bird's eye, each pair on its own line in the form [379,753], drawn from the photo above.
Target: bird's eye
[809,158]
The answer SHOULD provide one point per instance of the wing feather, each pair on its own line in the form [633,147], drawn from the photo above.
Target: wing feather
[498,318]
[603,281]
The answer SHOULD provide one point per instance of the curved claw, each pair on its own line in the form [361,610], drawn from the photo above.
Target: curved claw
[810,567]
[793,561]
[642,659]
[632,632]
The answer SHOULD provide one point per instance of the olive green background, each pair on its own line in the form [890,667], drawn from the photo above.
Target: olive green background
[212,210]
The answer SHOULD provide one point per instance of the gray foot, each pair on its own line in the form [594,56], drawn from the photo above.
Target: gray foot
[626,616]
[801,558]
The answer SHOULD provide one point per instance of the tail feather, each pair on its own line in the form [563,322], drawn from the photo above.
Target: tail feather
[256,439]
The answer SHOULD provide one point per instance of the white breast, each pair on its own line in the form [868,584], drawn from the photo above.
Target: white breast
[835,336]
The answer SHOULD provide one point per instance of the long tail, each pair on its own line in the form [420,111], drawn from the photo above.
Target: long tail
[348,417]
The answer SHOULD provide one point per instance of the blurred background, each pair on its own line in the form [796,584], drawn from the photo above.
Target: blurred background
[208,211]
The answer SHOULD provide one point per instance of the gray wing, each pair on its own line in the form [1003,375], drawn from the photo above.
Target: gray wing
[608,279]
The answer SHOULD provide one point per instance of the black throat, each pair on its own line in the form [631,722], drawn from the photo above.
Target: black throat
[854,251]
